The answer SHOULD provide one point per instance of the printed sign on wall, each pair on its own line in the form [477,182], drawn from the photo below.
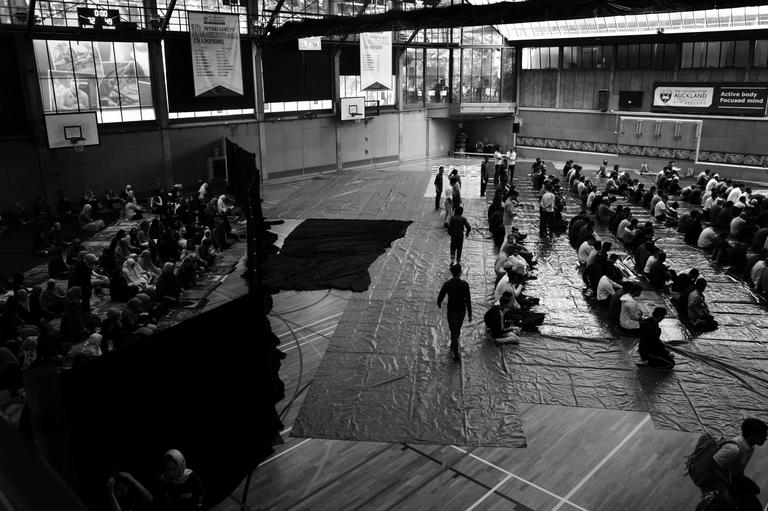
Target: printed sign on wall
[216,62]
[713,99]
[375,60]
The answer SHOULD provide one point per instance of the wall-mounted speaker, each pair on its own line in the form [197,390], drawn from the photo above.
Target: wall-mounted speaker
[630,99]
[515,127]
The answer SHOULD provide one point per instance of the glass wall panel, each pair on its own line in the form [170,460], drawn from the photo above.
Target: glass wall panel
[437,75]
[112,78]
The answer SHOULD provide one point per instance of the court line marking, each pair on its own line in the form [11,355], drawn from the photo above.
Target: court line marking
[533,485]
[281,453]
[601,463]
[490,492]
[319,334]
[309,324]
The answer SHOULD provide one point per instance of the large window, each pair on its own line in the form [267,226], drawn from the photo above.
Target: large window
[761,54]
[540,58]
[480,75]
[437,78]
[646,56]
[111,78]
[349,87]
[413,76]
[715,54]
[64,13]
[587,57]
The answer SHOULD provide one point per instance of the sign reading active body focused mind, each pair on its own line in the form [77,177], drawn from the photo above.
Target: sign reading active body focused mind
[215,40]
[711,98]
[103,19]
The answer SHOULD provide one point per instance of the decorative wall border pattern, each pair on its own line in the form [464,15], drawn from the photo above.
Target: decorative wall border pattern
[754,160]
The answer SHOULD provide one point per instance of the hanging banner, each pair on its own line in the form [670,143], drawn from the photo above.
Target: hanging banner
[375,60]
[310,44]
[216,64]
[711,98]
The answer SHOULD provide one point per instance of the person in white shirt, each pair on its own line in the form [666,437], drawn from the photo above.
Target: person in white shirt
[734,195]
[509,214]
[712,183]
[660,209]
[591,197]
[586,249]
[629,319]
[706,238]
[730,461]
[505,285]
[202,193]
[606,289]
[547,209]
[628,236]
[756,273]
[649,263]
[622,226]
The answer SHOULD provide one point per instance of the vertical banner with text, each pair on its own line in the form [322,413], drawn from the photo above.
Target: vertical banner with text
[216,65]
[375,60]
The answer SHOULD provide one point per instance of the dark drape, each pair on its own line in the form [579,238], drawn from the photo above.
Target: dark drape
[207,387]
[293,75]
[241,169]
[181,86]
[13,114]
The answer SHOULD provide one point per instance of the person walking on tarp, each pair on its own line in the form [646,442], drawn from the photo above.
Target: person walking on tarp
[456,226]
[484,172]
[438,188]
[459,303]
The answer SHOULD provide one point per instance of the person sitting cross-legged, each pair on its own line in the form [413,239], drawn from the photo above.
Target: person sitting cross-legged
[650,347]
[498,324]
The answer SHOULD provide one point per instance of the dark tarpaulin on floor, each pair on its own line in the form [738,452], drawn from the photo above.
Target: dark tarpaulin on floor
[387,374]
[330,253]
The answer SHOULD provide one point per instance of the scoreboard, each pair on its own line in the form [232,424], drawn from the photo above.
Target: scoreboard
[100,19]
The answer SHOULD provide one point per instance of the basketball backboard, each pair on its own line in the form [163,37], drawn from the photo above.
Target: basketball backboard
[65,130]
[352,109]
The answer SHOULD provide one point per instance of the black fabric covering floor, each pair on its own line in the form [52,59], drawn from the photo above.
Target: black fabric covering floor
[330,253]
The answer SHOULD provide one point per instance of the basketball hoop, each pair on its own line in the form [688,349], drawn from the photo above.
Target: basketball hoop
[78,144]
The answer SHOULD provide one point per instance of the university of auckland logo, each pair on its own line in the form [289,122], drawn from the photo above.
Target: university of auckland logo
[665,95]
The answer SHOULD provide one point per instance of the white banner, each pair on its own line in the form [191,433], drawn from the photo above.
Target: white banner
[375,60]
[696,97]
[310,44]
[215,42]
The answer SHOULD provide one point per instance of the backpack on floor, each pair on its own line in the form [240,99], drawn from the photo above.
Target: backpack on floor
[699,464]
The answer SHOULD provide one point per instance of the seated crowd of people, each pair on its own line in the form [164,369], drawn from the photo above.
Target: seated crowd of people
[145,271]
[511,312]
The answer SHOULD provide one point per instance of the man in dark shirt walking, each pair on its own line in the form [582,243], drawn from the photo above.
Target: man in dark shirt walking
[459,303]
[438,188]
[456,226]
[484,172]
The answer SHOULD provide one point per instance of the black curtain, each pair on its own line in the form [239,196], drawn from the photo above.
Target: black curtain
[241,169]
[181,86]
[13,113]
[293,75]
[207,387]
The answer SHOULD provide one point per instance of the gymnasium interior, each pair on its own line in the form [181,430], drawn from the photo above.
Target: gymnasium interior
[261,175]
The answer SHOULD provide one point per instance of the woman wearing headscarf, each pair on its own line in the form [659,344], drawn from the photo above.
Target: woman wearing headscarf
[54,298]
[148,267]
[87,221]
[133,274]
[27,353]
[178,488]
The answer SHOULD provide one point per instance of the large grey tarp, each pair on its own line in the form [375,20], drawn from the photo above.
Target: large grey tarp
[387,374]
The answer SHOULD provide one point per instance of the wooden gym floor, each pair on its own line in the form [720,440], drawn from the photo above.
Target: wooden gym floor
[577,458]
